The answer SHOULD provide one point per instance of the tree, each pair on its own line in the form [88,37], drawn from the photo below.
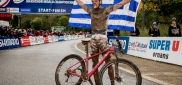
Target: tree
[63,21]
[36,23]
[26,23]
[165,8]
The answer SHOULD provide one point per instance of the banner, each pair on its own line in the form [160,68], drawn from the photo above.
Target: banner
[66,37]
[25,41]
[50,38]
[5,16]
[74,37]
[166,49]
[180,55]
[55,38]
[8,42]
[33,41]
[46,40]
[36,6]
[138,46]
[61,38]
[123,40]
[40,39]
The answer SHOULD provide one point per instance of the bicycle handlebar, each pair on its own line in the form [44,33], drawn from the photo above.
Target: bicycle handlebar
[119,44]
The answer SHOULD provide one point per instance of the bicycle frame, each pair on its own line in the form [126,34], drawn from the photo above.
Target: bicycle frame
[107,52]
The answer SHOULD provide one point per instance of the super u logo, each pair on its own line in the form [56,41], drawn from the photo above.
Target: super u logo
[165,45]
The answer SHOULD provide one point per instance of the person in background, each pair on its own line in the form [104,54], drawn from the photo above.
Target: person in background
[135,33]
[1,31]
[24,32]
[174,30]
[20,34]
[29,33]
[154,30]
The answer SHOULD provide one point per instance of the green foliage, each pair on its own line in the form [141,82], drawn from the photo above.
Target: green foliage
[26,23]
[36,23]
[63,20]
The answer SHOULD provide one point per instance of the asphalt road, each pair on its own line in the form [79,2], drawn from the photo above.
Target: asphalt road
[36,65]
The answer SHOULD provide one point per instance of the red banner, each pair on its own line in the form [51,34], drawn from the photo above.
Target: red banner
[46,40]
[6,17]
[25,41]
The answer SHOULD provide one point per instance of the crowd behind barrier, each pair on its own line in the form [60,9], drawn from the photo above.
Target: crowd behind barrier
[164,49]
[11,32]
[14,38]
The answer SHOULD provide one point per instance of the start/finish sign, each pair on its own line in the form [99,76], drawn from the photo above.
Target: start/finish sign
[36,6]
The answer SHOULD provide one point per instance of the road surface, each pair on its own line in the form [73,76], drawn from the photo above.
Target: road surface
[36,65]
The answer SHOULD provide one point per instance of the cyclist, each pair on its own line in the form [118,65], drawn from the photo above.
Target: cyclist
[98,41]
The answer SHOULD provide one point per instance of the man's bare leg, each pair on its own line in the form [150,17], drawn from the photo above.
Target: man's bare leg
[110,71]
[96,74]
[104,45]
[95,60]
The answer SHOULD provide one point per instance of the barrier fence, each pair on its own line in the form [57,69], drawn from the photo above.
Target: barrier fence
[14,42]
[165,49]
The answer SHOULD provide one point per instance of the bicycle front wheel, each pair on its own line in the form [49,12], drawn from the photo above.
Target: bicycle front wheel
[128,73]
[62,77]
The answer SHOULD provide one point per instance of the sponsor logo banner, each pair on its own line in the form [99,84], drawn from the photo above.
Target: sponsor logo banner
[166,49]
[8,42]
[25,41]
[123,40]
[46,40]
[25,9]
[138,46]
[5,17]
[61,38]
[2,9]
[13,10]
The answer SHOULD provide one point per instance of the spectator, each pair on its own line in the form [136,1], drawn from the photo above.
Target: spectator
[50,33]
[16,33]
[24,32]
[174,30]
[135,33]
[154,30]
[20,34]
[29,33]
[1,31]
[5,32]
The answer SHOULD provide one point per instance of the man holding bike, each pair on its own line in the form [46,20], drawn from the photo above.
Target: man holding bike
[99,17]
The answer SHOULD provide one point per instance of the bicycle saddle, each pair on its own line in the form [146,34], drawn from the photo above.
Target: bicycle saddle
[84,42]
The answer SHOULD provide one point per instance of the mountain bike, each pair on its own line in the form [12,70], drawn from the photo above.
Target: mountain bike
[77,70]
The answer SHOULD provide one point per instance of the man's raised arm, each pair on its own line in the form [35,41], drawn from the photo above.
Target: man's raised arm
[118,5]
[81,4]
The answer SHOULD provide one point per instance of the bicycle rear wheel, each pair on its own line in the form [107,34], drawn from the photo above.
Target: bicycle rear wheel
[62,77]
[129,74]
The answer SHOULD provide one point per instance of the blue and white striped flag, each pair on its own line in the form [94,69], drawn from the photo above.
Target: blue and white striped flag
[122,19]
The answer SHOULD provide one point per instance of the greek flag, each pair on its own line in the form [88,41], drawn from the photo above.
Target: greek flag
[122,19]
